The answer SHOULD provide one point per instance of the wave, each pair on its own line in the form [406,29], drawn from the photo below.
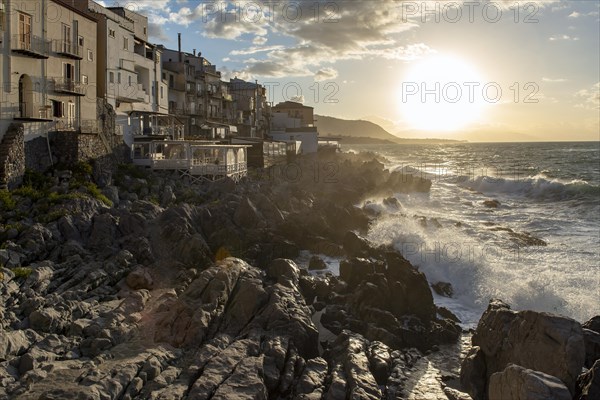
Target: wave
[536,187]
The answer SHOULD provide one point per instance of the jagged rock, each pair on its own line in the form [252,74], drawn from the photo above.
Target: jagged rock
[316,263]
[355,245]
[473,373]
[443,289]
[491,203]
[14,343]
[592,347]
[167,196]
[47,320]
[355,270]
[518,383]
[349,354]
[283,270]
[588,384]
[593,324]
[140,278]
[539,341]
[103,234]
[112,193]
[68,228]
[311,383]
[247,215]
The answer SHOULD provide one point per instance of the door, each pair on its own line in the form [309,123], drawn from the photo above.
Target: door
[25,97]
[25,31]
[71,115]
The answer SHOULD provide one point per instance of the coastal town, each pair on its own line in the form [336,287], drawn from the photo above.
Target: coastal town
[83,82]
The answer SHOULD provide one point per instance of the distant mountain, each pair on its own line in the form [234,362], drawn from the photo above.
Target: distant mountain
[361,131]
[330,126]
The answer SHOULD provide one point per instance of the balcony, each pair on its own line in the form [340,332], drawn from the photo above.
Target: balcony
[134,93]
[127,65]
[69,86]
[30,45]
[25,112]
[68,49]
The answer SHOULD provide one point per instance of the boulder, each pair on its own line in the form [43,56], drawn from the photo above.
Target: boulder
[593,324]
[247,215]
[592,347]
[541,342]
[316,263]
[283,270]
[354,270]
[491,203]
[356,245]
[443,289]
[518,383]
[140,278]
[473,373]
[589,384]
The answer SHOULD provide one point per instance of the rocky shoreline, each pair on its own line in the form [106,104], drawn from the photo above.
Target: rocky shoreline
[153,287]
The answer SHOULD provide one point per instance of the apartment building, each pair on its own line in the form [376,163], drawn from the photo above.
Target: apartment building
[251,104]
[130,74]
[197,95]
[47,66]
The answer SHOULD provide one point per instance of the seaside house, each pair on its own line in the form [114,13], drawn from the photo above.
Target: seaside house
[292,122]
[250,101]
[130,75]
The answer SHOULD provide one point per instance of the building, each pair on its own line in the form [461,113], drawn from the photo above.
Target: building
[250,102]
[131,76]
[197,95]
[48,67]
[293,122]
[304,114]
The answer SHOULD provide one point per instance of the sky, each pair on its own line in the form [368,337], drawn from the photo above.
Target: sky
[478,70]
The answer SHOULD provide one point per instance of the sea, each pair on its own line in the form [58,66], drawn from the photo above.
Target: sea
[545,193]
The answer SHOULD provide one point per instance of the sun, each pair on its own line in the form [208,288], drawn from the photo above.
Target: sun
[442,93]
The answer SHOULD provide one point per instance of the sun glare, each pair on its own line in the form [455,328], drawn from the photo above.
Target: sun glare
[442,93]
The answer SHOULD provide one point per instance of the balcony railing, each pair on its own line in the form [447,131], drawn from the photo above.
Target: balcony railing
[30,45]
[70,86]
[66,124]
[69,49]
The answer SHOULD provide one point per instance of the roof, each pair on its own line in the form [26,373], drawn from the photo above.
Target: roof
[69,5]
[290,104]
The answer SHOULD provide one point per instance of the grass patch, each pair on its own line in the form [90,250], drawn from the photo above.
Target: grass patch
[97,194]
[21,272]
[29,192]
[7,203]
[52,216]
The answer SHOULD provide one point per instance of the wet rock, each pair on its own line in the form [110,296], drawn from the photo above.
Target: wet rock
[592,347]
[355,270]
[443,289]
[518,383]
[316,263]
[355,245]
[473,373]
[593,324]
[392,202]
[491,203]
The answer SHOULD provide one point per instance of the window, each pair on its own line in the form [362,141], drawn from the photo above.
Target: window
[25,31]
[68,71]
[118,77]
[125,43]
[161,92]
[111,33]
[66,37]
[164,76]
[90,55]
[80,41]
[171,81]
[145,31]
[111,77]
[58,109]
[84,79]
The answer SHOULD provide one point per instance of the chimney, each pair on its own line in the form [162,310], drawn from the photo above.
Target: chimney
[179,46]
[194,52]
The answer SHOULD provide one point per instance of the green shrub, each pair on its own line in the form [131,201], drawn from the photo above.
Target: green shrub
[21,272]
[97,194]
[30,192]
[35,180]
[7,203]
[52,216]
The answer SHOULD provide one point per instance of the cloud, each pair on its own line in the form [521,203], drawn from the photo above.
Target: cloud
[259,40]
[551,80]
[297,99]
[563,37]
[325,74]
[590,97]
[157,32]
[574,14]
